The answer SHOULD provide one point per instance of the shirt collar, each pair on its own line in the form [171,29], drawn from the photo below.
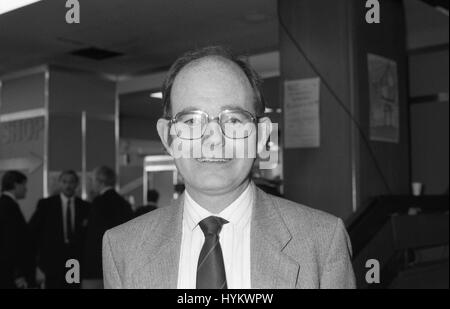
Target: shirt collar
[7,193]
[238,213]
[65,199]
[105,189]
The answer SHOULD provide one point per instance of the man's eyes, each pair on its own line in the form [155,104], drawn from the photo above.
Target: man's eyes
[192,121]
[199,120]
[233,121]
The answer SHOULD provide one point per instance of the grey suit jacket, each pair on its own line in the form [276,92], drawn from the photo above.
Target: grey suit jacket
[292,246]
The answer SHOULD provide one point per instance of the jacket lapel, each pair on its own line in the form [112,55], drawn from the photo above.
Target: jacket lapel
[58,205]
[161,250]
[272,267]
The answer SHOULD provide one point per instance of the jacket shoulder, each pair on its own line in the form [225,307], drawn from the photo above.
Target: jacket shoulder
[6,204]
[293,212]
[51,200]
[82,202]
[311,229]
[5,200]
[131,233]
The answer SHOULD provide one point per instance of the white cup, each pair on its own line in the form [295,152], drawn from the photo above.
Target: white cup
[417,188]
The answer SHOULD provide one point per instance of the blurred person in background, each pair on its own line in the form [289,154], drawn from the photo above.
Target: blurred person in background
[59,227]
[15,245]
[109,209]
[152,203]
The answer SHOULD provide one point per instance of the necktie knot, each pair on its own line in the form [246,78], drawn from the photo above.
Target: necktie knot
[212,225]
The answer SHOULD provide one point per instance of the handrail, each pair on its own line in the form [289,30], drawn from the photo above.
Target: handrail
[391,244]
[383,232]
[371,219]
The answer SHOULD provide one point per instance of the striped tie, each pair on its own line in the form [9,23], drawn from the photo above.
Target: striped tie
[210,267]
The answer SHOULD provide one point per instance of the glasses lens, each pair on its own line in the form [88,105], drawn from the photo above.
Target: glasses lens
[236,124]
[189,125]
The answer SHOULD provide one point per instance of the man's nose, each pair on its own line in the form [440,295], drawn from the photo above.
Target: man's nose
[213,133]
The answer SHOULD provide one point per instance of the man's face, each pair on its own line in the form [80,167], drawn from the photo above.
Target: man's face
[212,86]
[68,184]
[20,190]
[96,184]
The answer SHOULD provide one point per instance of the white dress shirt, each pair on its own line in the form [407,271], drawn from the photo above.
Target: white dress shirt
[65,202]
[234,241]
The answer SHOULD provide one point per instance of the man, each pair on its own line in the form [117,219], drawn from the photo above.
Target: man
[109,209]
[152,203]
[223,232]
[14,235]
[59,226]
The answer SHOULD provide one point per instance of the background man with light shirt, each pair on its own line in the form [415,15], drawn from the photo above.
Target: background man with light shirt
[223,232]
[58,227]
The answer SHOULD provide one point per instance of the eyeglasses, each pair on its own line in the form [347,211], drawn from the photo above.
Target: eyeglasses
[234,124]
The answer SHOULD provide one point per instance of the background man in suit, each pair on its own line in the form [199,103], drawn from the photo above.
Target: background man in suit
[223,232]
[14,235]
[109,209]
[152,203]
[59,227]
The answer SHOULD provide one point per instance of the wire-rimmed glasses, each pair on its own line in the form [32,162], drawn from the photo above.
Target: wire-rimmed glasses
[234,123]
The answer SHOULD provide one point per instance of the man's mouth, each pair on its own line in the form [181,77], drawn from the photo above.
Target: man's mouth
[213,160]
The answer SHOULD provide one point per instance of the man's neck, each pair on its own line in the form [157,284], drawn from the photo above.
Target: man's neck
[66,196]
[215,203]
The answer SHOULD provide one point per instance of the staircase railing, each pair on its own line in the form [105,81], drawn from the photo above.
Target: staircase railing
[384,232]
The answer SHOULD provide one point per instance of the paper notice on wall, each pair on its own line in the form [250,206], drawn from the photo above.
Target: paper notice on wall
[301,113]
[384,109]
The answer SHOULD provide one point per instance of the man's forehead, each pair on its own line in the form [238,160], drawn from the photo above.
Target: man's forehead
[211,61]
[210,83]
[211,66]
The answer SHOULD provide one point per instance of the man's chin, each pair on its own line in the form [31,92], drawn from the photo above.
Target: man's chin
[213,186]
[213,180]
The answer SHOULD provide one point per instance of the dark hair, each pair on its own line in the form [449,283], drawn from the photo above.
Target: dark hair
[105,175]
[11,178]
[152,196]
[71,173]
[212,51]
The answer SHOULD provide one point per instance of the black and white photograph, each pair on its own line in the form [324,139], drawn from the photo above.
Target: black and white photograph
[236,145]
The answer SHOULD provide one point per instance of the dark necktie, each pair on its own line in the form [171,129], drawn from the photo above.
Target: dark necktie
[210,267]
[69,220]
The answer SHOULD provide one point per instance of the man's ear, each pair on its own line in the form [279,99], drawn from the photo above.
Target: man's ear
[163,131]
[264,130]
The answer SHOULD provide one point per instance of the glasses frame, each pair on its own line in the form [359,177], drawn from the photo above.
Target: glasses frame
[173,120]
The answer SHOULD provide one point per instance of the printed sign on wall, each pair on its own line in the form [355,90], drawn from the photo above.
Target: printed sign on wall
[384,109]
[301,113]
